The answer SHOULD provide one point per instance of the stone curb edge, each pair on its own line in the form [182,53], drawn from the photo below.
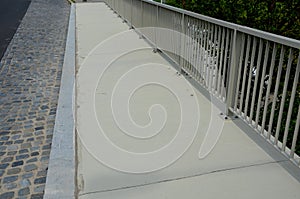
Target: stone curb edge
[61,176]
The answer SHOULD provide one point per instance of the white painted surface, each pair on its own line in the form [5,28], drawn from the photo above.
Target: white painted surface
[236,168]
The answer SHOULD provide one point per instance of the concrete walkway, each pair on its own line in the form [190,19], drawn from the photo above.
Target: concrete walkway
[124,152]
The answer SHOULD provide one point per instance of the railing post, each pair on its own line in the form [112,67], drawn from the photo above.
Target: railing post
[155,30]
[233,72]
[142,14]
[182,42]
[131,10]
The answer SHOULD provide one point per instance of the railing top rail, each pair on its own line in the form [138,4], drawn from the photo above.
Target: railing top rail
[244,29]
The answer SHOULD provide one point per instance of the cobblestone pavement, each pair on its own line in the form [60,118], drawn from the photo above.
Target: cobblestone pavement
[30,74]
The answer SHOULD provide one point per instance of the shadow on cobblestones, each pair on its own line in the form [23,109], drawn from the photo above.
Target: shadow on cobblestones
[30,74]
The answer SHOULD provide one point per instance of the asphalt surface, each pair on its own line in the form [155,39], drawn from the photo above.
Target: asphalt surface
[11,14]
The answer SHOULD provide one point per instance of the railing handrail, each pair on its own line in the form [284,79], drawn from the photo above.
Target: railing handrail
[252,31]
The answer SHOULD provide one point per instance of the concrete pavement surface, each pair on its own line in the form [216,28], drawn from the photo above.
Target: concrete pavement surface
[108,55]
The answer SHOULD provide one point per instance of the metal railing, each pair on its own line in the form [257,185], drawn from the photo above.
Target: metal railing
[254,73]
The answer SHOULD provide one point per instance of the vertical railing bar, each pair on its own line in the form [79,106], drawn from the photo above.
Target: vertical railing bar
[155,28]
[173,38]
[185,41]
[213,58]
[225,65]
[250,77]
[188,45]
[245,74]
[131,13]
[138,14]
[146,19]
[276,90]
[258,66]
[221,63]
[235,43]
[207,55]
[191,47]
[198,50]
[213,51]
[239,73]
[266,57]
[135,17]
[123,15]
[217,61]
[195,47]
[202,51]
[142,14]
[204,54]
[273,59]
[286,81]
[210,55]
[182,41]
[193,44]
[290,111]
[178,31]
[124,11]
[296,131]
[116,5]
[119,8]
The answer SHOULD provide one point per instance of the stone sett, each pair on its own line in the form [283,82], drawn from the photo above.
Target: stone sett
[13,171]
[7,195]
[24,191]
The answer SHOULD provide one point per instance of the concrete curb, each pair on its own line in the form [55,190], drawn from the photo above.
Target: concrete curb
[61,176]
